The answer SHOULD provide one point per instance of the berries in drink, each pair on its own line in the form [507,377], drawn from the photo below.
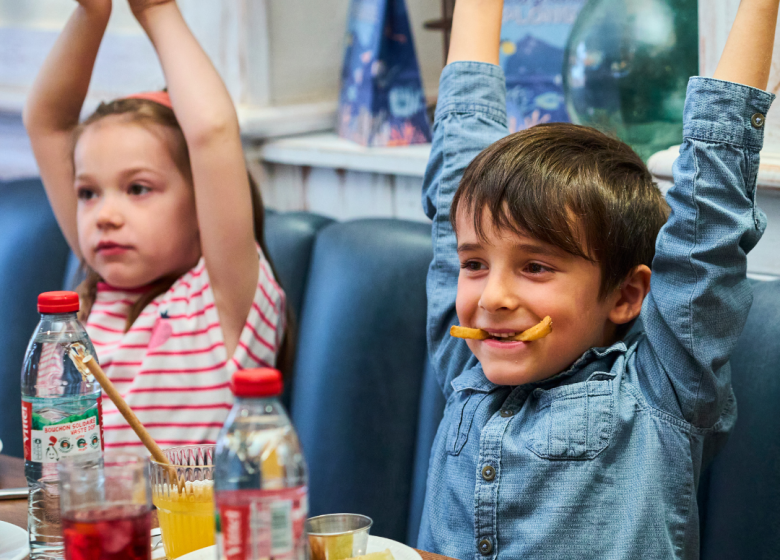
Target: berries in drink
[118,532]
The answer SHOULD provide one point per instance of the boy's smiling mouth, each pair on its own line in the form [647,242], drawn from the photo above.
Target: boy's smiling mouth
[499,334]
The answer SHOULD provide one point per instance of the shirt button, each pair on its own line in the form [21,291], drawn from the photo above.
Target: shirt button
[485,547]
[757,120]
[488,473]
[506,413]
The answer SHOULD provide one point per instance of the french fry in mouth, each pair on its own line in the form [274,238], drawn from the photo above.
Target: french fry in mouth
[540,330]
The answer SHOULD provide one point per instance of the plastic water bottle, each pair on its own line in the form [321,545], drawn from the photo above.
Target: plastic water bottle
[260,478]
[61,415]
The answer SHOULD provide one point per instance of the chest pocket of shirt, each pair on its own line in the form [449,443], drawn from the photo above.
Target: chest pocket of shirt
[572,421]
[462,408]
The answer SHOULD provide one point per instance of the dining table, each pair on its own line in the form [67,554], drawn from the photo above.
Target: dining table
[15,511]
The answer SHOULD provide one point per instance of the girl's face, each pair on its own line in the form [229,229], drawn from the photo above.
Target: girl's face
[136,210]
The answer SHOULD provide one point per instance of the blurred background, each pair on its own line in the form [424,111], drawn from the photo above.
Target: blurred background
[619,65]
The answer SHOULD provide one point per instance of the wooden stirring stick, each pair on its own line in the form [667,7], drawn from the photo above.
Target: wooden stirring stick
[81,358]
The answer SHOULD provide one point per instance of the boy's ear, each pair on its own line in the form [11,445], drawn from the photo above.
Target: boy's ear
[630,295]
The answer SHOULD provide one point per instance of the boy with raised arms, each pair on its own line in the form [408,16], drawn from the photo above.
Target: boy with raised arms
[588,442]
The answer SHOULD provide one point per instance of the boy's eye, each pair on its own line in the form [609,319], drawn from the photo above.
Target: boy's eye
[536,268]
[85,193]
[472,266]
[136,189]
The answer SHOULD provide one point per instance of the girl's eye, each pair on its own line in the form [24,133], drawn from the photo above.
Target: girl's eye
[85,193]
[472,266]
[137,190]
[536,268]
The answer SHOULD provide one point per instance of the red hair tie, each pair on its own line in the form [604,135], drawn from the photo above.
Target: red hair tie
[160,97]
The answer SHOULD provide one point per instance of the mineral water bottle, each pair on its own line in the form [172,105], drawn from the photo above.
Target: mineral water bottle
[61,415]
[260,479]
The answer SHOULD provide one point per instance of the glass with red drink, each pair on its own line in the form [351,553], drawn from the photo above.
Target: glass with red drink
[106,508]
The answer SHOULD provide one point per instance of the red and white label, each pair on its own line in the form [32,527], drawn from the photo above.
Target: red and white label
[262,523]
[82,438]
[27,428]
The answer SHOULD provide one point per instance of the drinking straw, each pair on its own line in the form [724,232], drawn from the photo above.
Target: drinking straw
[81,358]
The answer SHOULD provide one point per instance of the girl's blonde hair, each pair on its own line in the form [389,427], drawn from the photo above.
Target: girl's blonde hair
[146,111]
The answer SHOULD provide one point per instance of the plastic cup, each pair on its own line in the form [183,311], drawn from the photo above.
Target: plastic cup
[338,536]
[186,515]
[106,508]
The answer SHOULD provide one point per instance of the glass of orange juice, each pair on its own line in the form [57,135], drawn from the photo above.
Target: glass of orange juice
[185,508]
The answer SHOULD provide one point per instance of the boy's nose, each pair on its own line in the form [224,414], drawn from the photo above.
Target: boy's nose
[498,295]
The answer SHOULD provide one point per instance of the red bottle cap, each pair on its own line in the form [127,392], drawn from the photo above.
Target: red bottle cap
[58,302]
[257,383]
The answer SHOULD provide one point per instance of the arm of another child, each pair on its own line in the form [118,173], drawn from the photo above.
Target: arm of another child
[208,119]
[700,297]
[52,108]
[470,115]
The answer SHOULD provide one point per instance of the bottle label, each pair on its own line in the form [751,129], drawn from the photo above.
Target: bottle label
[46,441]
[262,524]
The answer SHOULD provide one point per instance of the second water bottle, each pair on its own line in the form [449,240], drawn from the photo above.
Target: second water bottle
[260,475]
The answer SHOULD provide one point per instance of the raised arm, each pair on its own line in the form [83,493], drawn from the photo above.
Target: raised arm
[747,56]
[51,111]
[476,31]
[700,297]
[470,115]
[222,197]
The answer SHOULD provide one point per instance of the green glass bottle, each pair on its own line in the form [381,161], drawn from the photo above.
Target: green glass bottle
[626,69]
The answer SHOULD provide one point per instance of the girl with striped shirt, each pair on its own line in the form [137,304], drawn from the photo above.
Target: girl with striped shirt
[152,193]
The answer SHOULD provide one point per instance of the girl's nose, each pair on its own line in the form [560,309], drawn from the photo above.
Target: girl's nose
[499,294]
[109,215]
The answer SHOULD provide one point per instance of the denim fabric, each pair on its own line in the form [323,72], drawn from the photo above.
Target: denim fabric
[602,460]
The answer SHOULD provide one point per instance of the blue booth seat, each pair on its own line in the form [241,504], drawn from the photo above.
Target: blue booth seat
[33,254]
[359,368]
[362,395]
[739,496]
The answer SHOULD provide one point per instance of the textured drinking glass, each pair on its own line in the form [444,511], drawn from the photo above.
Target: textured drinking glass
[338,535]
[106,508]
[185,508]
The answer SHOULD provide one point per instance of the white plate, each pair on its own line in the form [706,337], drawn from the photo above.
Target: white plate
[14,544]
[375,544]
[400,551]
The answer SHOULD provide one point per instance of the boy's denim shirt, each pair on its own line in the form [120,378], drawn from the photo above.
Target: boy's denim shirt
[602,460]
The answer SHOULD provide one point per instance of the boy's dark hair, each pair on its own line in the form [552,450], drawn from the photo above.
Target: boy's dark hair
[573,187]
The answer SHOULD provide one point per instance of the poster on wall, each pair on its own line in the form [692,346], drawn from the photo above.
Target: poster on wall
[381,101]
[533,39]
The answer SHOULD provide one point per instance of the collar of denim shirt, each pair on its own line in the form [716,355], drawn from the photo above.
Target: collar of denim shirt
[474,378]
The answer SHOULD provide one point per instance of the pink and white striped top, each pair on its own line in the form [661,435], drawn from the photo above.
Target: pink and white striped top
[171,366]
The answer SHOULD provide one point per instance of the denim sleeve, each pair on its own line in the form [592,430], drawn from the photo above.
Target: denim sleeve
[470,115]
[699,296]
